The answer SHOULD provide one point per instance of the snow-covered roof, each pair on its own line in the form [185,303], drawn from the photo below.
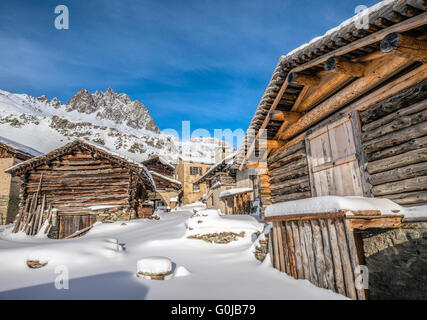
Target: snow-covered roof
[165,177]
[329,204]
[25,150]
[161,160]
[138,168]
[232,192]
[391,11]
[197,159]
[226,161]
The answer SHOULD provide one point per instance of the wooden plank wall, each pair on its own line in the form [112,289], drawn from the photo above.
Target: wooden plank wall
[71,224]
[288,172]
[394,139]
[322,251]
[238,204]
[72,183]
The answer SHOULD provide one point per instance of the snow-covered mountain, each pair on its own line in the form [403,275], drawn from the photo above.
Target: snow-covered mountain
[108,118]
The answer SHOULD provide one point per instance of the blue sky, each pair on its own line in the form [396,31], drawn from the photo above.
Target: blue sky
[203,61]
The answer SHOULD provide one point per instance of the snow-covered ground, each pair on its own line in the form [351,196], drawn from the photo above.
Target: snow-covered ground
[103,263]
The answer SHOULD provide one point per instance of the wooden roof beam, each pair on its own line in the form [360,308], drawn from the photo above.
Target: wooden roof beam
[305,80]
[404,46]
[383,70]
[262,130]
[285,116]
[403,26]
[339,65]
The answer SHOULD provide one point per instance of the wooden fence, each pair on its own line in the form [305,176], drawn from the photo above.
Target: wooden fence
[238,203]
[324,248]
[321,250]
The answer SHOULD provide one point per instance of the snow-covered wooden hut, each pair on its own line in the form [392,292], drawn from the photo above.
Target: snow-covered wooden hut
[168,189]
[81,182]
[228,189]
[345,115]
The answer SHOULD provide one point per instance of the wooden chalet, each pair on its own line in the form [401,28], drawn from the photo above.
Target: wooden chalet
[168,189]
[345,115]
[73,182]
[11,153]
[228,189]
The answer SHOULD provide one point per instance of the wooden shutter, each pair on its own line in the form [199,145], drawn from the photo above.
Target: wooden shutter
[334,168]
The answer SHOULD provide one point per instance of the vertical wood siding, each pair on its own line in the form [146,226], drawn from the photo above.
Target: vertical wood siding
[322,251]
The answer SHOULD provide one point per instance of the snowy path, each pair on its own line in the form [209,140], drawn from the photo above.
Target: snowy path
[97,270]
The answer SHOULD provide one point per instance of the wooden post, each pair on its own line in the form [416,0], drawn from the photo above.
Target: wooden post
[336,256]
[354,256]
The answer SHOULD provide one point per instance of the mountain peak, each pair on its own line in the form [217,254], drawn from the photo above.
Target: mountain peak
[113,106]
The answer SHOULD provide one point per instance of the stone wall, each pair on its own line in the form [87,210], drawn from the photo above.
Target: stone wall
[183,175]
[114,214]
[397,262]
[9,192]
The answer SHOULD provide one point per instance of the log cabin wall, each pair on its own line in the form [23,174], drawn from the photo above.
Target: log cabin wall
[74,182]
[289,175]
[394,140]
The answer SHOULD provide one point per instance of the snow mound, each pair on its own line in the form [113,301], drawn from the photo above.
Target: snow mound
[154,265]
[211,221]
[181,271]
[333,204]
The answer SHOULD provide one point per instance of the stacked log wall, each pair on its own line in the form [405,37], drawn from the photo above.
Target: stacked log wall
[73,183]
[289,174]
[394,140]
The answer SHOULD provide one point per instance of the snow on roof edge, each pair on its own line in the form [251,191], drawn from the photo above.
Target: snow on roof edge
[231,192]
[20,147]
[165,177]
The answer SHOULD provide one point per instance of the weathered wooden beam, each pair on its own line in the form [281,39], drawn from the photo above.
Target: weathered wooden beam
[405,46]
[305,80]
[403,26]
[383,70]
[286,116]
[306,216]
[382,222]
[339,65]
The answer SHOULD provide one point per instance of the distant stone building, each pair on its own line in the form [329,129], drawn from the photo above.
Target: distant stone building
[11,153]
[188,172]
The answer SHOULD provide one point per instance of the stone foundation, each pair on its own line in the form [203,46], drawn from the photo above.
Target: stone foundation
[397,262]
[114,214]
[4,202]
[221,238]
[261,250]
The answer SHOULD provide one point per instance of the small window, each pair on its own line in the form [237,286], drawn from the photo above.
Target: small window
[196,188]
[195,171]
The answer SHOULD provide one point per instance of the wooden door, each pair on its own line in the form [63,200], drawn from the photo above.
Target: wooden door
[69,224]
[334,167]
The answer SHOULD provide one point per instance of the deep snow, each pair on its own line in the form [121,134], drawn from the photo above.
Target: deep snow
[103,263]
